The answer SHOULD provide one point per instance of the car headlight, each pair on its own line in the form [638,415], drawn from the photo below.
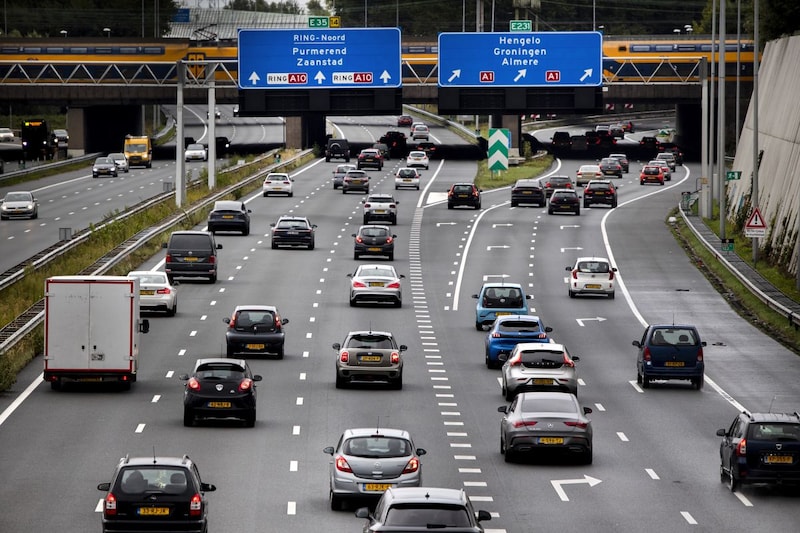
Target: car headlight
[30,206]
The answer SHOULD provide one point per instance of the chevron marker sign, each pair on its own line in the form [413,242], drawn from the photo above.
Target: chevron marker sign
[499,139]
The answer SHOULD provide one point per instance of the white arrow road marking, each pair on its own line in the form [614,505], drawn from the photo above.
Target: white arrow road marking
[581,321]
[456,74]
[254,78]
[385,76]
[521,74]
[446,224]
[504,246]
[320,77]
[563,495]
[586,74]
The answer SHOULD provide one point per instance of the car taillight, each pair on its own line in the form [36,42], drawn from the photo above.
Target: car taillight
[548,184]
[395,357]
[411,466]
[163,291]
[522,423]
[576,424]
[169,258]
[359,240]
[586,190]
[515,361]
[475,193]
[646,354]
[392,206]
[610,275]
[496,335]
[232,323]
[196,505]
[278,321]
[393,285]
[389,240]
[367,206]
[341,465]
[212,259]
[344,356]
[245,385]
[110,507]
[358,285]
[574,273]
[567,361]
[699,355]
[741,448]
[569,186]
[193,384]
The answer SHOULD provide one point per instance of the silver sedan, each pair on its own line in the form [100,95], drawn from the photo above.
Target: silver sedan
[367,461]
[19,204]
[156,293]
[534,366]
[375,283]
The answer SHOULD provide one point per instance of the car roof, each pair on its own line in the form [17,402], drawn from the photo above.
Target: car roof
[146,272]
[528,182]
[220,361]
[560,178]
[518,318]
[593,167]
[425,495]
[279,174]
[565,192]
[495,284]
[255,307]
[604,182]
[376,267]
[227,205]
[196,146]
[618,155]
[369,332]
[292,217]
[592,258]
[184,461]
[381,226]
[367,432]
[416,153]
[540,347]
[772,417]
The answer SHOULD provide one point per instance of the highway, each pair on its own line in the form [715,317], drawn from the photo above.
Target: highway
[655,452]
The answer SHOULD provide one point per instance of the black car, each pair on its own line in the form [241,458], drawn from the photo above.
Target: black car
[220,388]
[528,192]
[553,183]
[293,231]
[610,166]
[464,194]
[623,161]
[337,149]
[191,254]
[370,157]
[255,329]
[561,140]
[600,192]
[564,201]
[649,143]
[397,143]
[428,147]
[374,240]
[675,149]
[229,215]
[155,494]
[760,448]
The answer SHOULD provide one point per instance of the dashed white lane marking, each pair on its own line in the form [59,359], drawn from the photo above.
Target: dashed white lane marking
[600,407]
[742,498]
[182,351]
[464,457]
[474,483]
[140,428]
[291,508]
[302,376]
[193,333]
[299,400]
[688,517]
[469,470]
[169,374]
[622,436]
[295,430]
[155,398]
[293,466]
[652,473]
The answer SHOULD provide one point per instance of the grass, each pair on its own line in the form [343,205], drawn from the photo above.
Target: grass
[532,168]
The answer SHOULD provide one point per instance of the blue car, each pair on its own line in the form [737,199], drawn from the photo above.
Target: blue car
[670,351]
[499,299]
[510,330]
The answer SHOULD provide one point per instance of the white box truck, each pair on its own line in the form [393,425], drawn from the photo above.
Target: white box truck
[91,329]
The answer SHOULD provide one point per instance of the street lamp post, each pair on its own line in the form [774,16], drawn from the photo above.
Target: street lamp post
[108,32]
[64,33]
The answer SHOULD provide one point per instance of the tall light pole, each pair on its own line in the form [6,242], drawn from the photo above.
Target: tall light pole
[756,159]
[738,66]
[108,32]
[723,199]
[64,33]
[594,13]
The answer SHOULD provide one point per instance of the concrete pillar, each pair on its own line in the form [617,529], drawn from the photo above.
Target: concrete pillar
[293,132]
[514,125]
[76,126]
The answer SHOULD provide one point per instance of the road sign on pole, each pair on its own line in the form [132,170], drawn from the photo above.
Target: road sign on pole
[731,175]
[755,227]
[318,22]
[499,139]
[516,59]
[520,25]
[312,58]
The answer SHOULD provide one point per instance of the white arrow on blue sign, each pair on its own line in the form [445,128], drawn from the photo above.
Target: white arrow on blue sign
[514,59]
[319,58]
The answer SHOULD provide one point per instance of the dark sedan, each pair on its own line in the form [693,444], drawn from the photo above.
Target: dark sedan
[255,329]
[554,183]
[229,215]
[564,201]
[374,240]
[528,192]
[293,231]
[610,166]
[104,166]
[220,388]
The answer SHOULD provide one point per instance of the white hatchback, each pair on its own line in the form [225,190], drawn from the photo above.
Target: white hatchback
[417,158]
[277,183]
[406,177]
[591,275]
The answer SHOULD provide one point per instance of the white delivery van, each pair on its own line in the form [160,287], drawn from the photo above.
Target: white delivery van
[91,329]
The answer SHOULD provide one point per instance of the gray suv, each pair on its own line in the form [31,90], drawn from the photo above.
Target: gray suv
[191,254]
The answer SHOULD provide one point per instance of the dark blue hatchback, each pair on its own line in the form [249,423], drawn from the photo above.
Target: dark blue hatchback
[670,352]
[510,330]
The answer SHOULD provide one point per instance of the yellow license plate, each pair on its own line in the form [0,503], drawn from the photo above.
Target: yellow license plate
[674,363]
[147,292]
[190,259]
[377,486]
[154,511]
[371,358]
[380,211]
[276,188]
[551,440]
[227,216]
[219,405]
[376,284]
[542,381]
[502,313]
[778,459]
[527,192]
[89,380]
[592,286]
[254,346]
[407,180]
[463,196]
[374,249]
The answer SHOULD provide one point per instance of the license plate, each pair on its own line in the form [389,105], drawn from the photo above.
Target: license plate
[356,182]
[219,405]
[542,381]
[190,259]
[89,380]
[374,249]
[276,188]
[592,286]
[502,313]
[147,292]
[551,440]
[227,217]
[370,358]
[674,363]
[463,196]
[527,192]
[407,180]
[292,233]
[376,284]
[154,511]
[254,346]
[778,459]
[380,211]
[377,486]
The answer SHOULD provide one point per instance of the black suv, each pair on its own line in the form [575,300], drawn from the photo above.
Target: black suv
[600,192]
[528,192]
[293,231]
[155,494]
[760,448]
[191,254]
[564,200]
[337,149]
[464,194]
[397,143]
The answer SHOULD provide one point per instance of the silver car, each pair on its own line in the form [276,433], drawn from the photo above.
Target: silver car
[121,161]
[545,422]
[195,152]
[536,366]
[367,461]
[375,283]
[338,174]
[104,166]
[156,293]
[369,357]
[19,204]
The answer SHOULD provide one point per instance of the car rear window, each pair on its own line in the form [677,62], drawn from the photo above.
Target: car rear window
[374,232]
[153,480]
[463,188]
[190,242]
[220,371]
[435,516]
[503,297]
[251,318]
[775,431]
[652,170]
[600,186]
[542,359]
[407,173]
[518,326]
[292,224]
[674,336]
[593,267]
[377,342]
[550,405]
[377,447]
[559,181]
[380,272]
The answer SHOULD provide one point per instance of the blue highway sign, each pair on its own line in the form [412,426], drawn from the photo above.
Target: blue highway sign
[319,58]
[521,59]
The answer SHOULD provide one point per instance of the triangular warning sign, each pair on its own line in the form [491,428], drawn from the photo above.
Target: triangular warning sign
[756,221]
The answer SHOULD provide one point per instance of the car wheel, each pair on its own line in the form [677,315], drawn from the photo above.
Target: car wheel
[396,188]
[733,483]
[449,206]
[514,204]
[641,183]
[356,256]
[352,302]
[173,310]
[344,191]
[638,377]
[698,382]
[578,212]
[246,231]
[265,194]
[587,457]
[311,245]
[614,204]
[571,294]
[212,278]
[611,295]
[586,205]
[722,476]
[645,381]
[171,279]
[549,211]
[250,419]
[397,384]
[337,503]
[394,221]
[478,206]
[341,382]
[291,194]
[398,303]
[479,325]
[35,215]
[366,220]
[55,385]
[230,351]
[188,417]
[279,352]
[508,394]
[508,456]
[274,245]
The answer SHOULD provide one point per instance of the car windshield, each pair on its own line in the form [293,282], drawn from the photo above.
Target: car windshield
[518,326]
[434,516]
[775,431]
[150,278]
[549,405]
[196,147]
[218,371]
[377,342]
[377,446]
[103,161]
[116,157]
[674,336]
[17,197]
[374,232]
[153,479]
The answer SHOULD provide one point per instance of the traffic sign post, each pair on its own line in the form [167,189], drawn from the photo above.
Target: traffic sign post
[520,25]
[732,175]
[309,59]
[318,22]
[727,245]
[499,141]
[755,226]
[516,59]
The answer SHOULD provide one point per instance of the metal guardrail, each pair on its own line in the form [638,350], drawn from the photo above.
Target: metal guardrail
[46,166]
[32,317]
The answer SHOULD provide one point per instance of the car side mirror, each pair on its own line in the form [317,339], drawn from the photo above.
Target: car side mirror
[353,235]
[502,409]
[329,450]
[587,410]
[144,327]
[568,268]
[702,343]
[350,275]
[394,236]
[362,512]
[337,346]
[502,357]
[249,210]
[184,377]
[421,451]
[548,329]
[227,320]
[483,516]
[257,377]
[284,321]
[637,344]
[403,347]
[219,247]
[720,433]
[104,486]
[207,487]
[576,358]
[402,276]
[163,245]
[475,296]
[528,297]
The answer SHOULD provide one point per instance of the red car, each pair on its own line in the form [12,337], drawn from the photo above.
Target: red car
[651,174]
[404,120]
